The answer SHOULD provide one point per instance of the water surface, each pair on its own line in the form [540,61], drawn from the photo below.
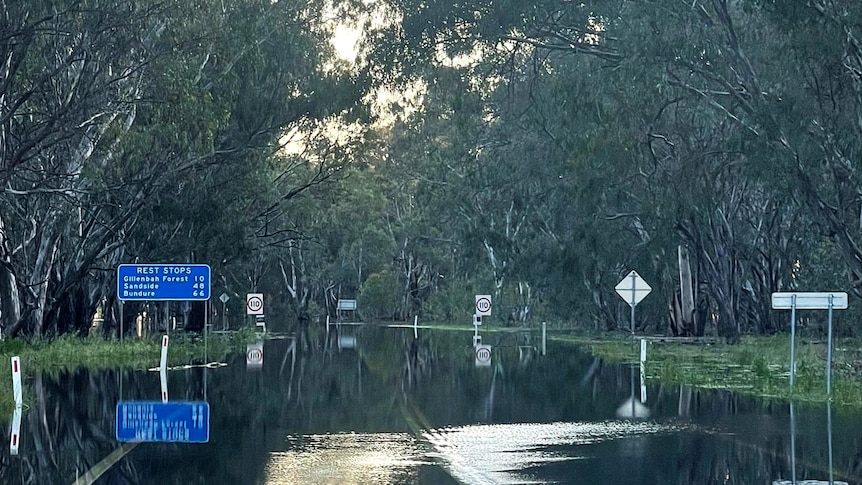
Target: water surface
[377,406]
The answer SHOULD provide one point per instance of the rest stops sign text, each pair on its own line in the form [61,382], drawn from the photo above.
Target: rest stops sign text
[155,282]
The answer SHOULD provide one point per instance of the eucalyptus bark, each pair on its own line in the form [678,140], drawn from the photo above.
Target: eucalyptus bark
[10,301]
[686,292]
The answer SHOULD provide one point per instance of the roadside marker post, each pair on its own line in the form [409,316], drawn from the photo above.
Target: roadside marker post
[163,364]
[643,371]
[15,436]
[793,301]
[17,393]
[163,380]
[544,338]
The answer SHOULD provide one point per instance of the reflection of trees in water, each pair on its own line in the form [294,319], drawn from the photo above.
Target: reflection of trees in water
[69,429]
[308,387]
[418,359]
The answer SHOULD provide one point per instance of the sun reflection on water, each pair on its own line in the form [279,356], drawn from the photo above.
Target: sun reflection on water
[346,458]
[475,454]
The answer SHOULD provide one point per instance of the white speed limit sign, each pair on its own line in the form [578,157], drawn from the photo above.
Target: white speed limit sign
[483,305]
[254,304]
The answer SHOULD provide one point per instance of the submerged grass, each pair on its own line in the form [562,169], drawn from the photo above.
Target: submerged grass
[69,353]
[757,366]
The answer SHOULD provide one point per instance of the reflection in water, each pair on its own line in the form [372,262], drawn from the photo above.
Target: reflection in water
[505,453]
[407,411]
[632,408]
[348,458]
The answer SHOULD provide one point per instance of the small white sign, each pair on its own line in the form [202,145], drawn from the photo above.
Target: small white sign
[223,298]
[346,305]
[254,304]
[477,320]
[483,355]
[809,300]
[633,288]
[483,305]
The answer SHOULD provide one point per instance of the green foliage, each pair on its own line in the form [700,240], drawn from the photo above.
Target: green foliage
[451,302]
[571,144]
[378,297]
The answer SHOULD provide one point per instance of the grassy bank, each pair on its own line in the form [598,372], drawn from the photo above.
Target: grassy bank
[757,366]
[69,353]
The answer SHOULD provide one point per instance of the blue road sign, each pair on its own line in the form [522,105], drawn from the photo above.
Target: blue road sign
[152,282]
[156,421]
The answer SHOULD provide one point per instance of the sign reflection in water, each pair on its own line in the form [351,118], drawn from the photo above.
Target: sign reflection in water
[401,410]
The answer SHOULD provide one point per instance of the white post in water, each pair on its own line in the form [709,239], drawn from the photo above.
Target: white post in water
[544,338]
[792,341]
[17,394]
[415,326]
[643,371]
[829,360]
[163,364]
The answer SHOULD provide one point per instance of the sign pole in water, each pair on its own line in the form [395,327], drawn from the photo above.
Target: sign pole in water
[17,394]
[633,289]
[643,371]
[810,301]
[15,436]
[544,338]
[482,309]
[163,363]
[163,380]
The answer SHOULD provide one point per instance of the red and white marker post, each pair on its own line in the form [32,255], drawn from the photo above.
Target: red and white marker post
[15,436]
[16,381]
[163,369]
[163,364]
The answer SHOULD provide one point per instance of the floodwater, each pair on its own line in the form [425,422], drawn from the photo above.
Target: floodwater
[375,405]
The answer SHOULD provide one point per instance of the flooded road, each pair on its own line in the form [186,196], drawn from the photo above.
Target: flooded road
[377,406]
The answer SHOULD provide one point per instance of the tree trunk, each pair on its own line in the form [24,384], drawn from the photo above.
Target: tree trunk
[686,303]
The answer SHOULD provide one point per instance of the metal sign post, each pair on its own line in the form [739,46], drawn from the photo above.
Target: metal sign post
[810,301]
[633,289]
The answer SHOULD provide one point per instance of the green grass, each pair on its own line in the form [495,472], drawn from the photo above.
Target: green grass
[757,366]
[70,353]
